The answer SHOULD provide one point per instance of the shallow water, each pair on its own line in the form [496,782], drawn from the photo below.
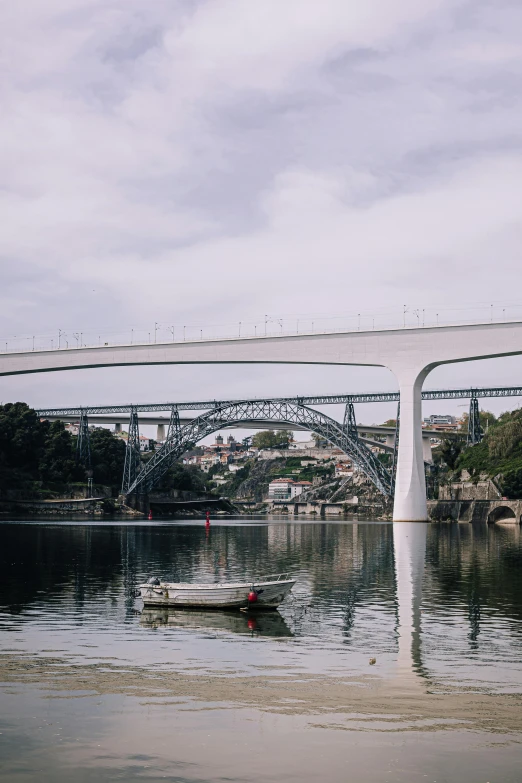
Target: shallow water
[94,688]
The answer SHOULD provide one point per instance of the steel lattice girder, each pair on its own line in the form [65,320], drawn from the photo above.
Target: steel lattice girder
[350,424]
[174,424]
[474,428]
[288,413]
[132,465]
[325,399]
[83,445]
[396,446]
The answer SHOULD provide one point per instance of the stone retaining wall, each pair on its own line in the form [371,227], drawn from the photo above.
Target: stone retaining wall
[476,511]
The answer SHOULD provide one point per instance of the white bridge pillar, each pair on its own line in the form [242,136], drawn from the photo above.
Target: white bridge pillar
[410,483]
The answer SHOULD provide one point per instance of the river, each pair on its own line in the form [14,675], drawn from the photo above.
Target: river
[92,688]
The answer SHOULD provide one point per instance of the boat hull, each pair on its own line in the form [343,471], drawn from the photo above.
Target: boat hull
[233,596]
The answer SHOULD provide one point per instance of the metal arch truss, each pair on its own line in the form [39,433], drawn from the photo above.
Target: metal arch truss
[132,466]
[396,446]
[286,413]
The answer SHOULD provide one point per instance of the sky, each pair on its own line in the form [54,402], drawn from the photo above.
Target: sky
[217,162]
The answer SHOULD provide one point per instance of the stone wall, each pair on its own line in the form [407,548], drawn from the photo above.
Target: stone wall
[476,511]
[468,490]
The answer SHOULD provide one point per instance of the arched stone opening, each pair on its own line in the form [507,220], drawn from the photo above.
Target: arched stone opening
[502,514]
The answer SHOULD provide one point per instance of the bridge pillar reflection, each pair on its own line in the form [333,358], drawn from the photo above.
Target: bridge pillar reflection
[409,544]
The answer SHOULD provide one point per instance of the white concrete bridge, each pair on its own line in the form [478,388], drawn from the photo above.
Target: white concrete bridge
[409,353]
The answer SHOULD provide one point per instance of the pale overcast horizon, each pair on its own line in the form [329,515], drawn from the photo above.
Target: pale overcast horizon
[221,162]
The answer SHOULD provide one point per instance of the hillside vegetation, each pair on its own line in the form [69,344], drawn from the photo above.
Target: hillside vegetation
[498,454]
[38,458]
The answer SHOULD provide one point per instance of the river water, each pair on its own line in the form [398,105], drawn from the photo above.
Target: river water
[93,688]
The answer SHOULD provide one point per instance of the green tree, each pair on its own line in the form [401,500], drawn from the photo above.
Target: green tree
[33,450]
[450,451]
[506,438]
[107,457]
[487,420]
[57,458]
[284,437]
[188,478]
[267,439]
[22,438]
[511,483]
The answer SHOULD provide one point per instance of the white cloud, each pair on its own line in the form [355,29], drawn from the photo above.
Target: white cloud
[212,162]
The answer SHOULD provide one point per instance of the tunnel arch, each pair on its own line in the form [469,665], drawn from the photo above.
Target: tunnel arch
[501,514]
[282,412]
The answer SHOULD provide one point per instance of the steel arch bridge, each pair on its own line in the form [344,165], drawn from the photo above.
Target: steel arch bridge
[281,411]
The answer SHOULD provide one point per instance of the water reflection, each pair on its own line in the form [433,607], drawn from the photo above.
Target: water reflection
[269,624]
[409,543]
[442,600]
[89,681]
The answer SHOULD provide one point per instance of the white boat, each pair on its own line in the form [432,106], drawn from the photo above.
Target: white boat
[266,592]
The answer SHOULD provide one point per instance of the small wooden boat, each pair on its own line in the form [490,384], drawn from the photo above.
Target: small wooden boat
[266,592]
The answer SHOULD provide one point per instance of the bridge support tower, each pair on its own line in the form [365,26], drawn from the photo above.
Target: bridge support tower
[474,428]
[132,453]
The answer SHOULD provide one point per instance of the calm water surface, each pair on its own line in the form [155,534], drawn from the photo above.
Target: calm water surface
[94,688]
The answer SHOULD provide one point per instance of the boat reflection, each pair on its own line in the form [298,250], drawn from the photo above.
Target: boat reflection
[270,624]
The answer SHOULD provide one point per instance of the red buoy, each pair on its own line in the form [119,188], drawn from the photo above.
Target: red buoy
[207,521]
[150,514]
[252,625]
[252,597]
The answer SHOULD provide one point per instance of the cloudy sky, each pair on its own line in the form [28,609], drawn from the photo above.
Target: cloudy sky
[215,162]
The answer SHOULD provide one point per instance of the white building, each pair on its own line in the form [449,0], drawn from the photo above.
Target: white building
[436,418]
[286,489]
[299,486]
[207,460]
[144,443]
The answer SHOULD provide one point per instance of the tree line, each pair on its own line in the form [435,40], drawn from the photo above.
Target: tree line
[38,455]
